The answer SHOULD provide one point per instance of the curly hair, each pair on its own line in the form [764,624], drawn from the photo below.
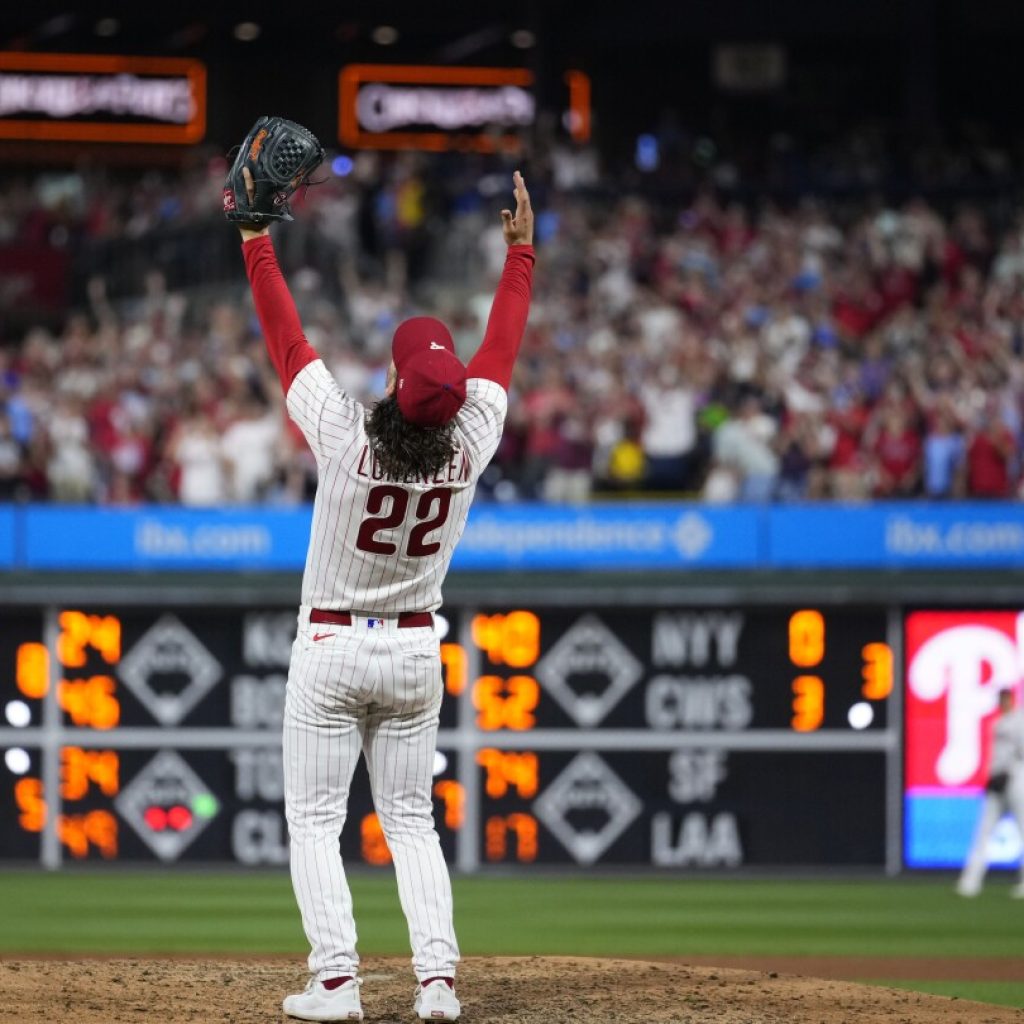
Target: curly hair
[404,450]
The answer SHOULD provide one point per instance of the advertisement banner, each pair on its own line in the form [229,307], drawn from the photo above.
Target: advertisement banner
[497,537]
[101,98]
[621,536]
[956,664]
[439,107]
[166,538]
[896,535]
[604,536]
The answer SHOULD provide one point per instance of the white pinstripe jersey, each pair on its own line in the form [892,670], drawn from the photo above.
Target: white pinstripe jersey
[377,544]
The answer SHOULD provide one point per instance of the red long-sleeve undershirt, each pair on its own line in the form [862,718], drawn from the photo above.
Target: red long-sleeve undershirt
[505,325]
[282,329]
[290,352]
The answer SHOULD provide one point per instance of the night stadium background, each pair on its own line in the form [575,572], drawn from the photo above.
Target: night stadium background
[723,638]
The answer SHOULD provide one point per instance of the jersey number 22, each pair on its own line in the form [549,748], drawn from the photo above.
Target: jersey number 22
[431,512]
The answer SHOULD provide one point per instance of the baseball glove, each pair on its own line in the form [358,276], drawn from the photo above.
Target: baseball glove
[280,156]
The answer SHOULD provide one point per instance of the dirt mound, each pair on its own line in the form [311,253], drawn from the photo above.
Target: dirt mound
[493,990]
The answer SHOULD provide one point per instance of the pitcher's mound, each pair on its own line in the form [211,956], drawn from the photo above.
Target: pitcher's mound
[493,990]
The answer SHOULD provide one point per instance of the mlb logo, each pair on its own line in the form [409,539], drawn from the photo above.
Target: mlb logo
[374,623]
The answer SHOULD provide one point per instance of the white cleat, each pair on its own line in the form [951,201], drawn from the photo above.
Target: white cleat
[1017,892]
[436,1001]
[319,1003]
[968,889]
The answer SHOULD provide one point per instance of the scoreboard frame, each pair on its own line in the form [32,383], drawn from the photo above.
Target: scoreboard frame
[461,734]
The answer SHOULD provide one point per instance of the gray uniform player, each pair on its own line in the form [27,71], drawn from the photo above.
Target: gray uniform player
[1004,793]
[395,486]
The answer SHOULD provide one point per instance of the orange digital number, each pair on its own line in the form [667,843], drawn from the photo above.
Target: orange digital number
[74,636]
[79,630]
[808,703]
[487,635]
[453,660]
[32,669]
[95,828]
[508,768]
[90,702]
[28,795]
[506,703]
[806,638]
[877,671]
[375,846]
[495,838]
[106,637]
[512,639]
[522,826]
[454,797]
[79,768]
[521,646]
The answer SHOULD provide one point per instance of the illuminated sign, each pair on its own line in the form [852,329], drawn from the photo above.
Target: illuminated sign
[392,106]
[956,664]
[93,98]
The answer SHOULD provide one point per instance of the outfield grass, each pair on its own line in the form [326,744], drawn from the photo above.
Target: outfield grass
[1007,993]
[180,912]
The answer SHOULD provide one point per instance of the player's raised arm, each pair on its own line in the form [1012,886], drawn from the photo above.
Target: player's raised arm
[275,160]
[497,355]
[282,329]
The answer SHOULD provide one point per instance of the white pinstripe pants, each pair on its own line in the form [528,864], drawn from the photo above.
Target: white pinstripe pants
[377,691]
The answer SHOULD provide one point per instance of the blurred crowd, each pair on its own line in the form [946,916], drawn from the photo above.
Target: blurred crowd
[721,350]
[776,355]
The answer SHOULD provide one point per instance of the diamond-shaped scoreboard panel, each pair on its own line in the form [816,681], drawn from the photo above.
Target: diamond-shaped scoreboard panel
[167,804]
[169,670]
[588,670]
[587,807]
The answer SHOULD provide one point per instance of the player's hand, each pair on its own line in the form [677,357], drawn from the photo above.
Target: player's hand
[518,230]
[248,231]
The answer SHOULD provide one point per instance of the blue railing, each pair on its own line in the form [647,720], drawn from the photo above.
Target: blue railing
[647,536]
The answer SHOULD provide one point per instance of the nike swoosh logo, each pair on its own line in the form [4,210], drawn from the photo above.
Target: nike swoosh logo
[439,348]
[323,636]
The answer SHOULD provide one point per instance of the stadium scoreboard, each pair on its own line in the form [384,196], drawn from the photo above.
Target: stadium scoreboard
[670,737]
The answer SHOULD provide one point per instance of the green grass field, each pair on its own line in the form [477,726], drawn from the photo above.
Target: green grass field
[238,913]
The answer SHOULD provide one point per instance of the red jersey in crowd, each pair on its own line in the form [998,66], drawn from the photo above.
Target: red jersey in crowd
[898,454]
[988,463]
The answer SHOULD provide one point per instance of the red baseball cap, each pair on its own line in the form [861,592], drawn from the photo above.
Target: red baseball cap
[431,379]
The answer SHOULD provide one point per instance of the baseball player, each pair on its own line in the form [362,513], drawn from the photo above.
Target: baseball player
[1004,794]
[395,486]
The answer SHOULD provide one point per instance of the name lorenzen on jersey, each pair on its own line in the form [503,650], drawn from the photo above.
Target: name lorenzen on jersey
[457,470]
